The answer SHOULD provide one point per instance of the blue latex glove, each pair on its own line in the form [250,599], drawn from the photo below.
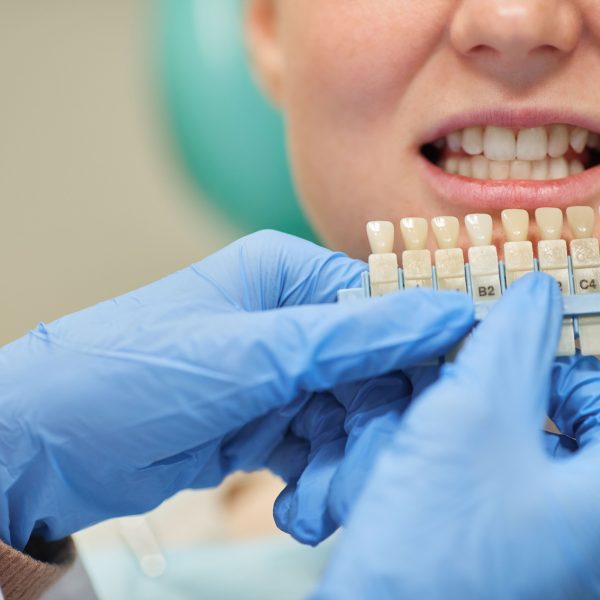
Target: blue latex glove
[110,411]
[344,431]
[466,502]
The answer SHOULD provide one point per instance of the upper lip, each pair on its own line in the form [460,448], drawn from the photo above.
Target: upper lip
[511,118]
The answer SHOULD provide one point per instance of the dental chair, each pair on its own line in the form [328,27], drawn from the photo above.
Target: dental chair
[229,138]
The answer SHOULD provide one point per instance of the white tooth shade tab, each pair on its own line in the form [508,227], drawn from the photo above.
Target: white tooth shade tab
[479,229]
[581,221]
[446,231]
[558,140]
[549,222]
[515,222]
[414,233]
[499,143]
[532,144]
[472,140]
[381,236]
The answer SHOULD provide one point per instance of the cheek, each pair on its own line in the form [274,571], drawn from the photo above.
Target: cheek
[349,70]
[355,56]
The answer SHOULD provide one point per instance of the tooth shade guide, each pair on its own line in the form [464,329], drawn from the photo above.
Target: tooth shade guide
[485,272]
[485,277]
[383,270]
[417,269]
[414,232]
[383,263]
[518,260]
[381,236]
[581,221]
[515,222]
[553,260]
[550,223]
[479,229]
[450,269]
[585,258]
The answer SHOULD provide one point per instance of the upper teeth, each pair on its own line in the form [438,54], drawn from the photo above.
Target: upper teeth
[537,143]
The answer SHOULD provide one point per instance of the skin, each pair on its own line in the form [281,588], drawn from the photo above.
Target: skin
[362,82]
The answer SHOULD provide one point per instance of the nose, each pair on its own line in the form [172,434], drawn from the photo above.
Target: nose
[513,34]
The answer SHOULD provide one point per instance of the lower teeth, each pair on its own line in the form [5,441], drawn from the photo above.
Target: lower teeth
[479,167]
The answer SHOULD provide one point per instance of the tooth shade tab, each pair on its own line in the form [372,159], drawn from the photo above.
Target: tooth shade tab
[479,229]
[414,233]
[581,221]
[381,236]
[549,222]
[515,222]
[446,231]
[485,272]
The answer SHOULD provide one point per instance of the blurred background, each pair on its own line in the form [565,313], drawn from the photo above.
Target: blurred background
[111,177]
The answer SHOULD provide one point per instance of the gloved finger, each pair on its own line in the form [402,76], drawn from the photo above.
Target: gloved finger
[513,348]
[575,398]
[290,458]
[362,451]
[305,348]
[373,408]
[319,347]
[421,378]
[302,509]
[360,398]
[285,271]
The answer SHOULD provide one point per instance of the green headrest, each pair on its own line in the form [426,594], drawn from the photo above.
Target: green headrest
[231,139]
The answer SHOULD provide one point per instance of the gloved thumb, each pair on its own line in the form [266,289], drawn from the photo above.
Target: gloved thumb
[502,376]
[504,371]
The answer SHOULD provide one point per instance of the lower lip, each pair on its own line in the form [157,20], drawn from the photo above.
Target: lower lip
[480,195]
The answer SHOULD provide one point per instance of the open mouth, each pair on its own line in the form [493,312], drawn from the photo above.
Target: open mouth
[544,153]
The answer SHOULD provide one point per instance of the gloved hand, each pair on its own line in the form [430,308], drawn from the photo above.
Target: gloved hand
[466,502]
[344,429]
[110,411]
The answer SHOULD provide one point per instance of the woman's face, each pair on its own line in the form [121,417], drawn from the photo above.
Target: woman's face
[377,96]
